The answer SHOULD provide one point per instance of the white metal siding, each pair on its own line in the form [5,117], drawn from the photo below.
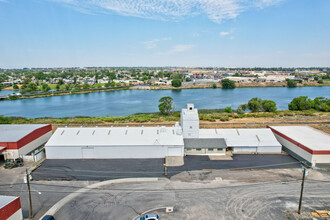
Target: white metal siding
[270,149]
[294,148]
[174,151]
[112,152]
[321,158]
[244,149]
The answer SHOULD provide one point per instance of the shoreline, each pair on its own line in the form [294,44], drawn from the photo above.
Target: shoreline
[215,118]
[206,86]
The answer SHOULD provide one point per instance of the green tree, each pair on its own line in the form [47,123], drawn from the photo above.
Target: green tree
[166,105]
[60,82]
[268,105]
[214,86]
[32,87]
[320,81]
[67,87]
[228,84]
[58,87]
[254,104]
[301,103]
[77,86]
[228,109]
[1,87]
[176,83]
[85,86]
[322,104]
[45,87]
[241,108]
[111,76]
[291,83]
[15,87]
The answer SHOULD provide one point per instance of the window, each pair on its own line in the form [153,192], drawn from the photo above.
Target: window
[190,108]
[219,149]
[188,149]
[210,149]
[190,127]
[198,149]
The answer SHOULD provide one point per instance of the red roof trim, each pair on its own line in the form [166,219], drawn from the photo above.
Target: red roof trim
[10,209]
[314,152]
[29,138]
[2,149]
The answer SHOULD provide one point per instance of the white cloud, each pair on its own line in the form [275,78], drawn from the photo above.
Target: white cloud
[215,10]
[224,33]
[178,49]
[153,43]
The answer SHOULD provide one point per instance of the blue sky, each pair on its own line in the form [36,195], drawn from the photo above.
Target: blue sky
[222,33]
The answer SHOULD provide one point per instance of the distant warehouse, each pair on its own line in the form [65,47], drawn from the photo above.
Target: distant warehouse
[118,142]
[304,143]
[21,140]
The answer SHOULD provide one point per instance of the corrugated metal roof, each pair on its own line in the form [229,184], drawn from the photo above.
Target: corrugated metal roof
[14,132]
[116,136]
[5,200]
[310,137]
[204,143]
[262,137]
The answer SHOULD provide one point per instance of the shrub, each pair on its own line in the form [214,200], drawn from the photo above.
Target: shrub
[301,103]
[291,83]
[176,83]
[228,109]
[320,81]
[214,86]
[224,118]
[254,104]
[268,105]
[5,120]
[228,84]
[241,109]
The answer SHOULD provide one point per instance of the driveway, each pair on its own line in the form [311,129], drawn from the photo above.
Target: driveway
[98,169]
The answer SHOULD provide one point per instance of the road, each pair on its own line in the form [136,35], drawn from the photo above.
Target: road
[197,201]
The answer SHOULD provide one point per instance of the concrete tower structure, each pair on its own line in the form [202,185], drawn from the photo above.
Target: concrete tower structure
[190,122]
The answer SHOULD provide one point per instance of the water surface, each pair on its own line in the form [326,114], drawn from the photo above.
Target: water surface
[126,102]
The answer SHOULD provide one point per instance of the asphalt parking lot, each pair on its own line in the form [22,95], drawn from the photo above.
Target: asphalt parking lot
[99,170]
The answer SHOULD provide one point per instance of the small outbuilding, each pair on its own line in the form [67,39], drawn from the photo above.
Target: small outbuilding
[23,140]
[260,140]
[115,142]
[304,143]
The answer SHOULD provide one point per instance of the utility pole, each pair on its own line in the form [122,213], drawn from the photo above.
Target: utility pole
[302,189]
[30,200]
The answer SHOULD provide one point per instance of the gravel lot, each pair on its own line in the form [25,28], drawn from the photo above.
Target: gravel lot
[205,201]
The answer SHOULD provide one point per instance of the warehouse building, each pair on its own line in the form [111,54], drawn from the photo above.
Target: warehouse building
[304,143]
[115,142]
[24,141]
[10,208]
[158,142]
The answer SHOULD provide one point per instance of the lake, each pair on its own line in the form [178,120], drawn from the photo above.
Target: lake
[126,102]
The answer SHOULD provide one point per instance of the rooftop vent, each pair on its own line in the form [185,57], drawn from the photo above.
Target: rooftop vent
[163,129]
